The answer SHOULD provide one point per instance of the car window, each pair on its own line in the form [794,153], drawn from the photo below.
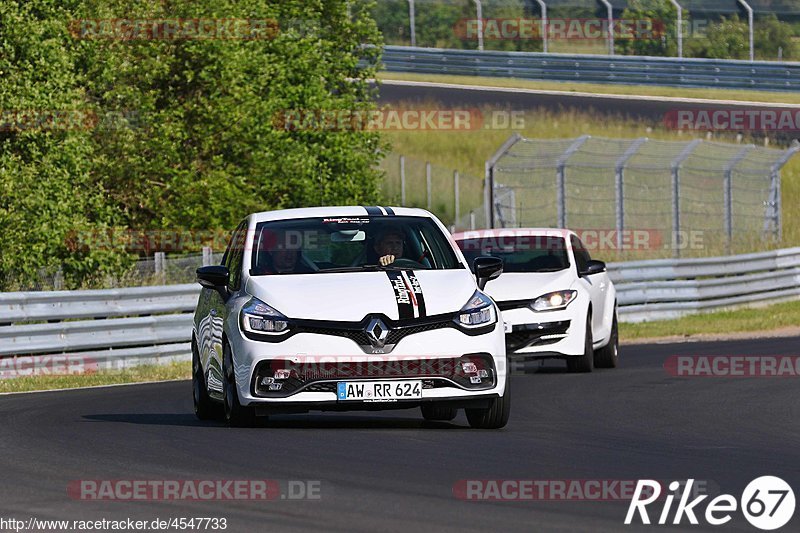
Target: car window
[582,257]
[520,253]
[331,244]
[235,255]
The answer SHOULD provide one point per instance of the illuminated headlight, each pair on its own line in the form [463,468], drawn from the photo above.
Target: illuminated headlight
[478,312]
[553,301]
[258,317]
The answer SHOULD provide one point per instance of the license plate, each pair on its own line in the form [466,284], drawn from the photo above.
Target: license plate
[378,391]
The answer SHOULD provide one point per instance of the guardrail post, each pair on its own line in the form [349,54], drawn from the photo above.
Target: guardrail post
[207,256]
[676,193]
[561,179]
[403,180]
[619,185]
[727,184]
[159,263]
[428,183]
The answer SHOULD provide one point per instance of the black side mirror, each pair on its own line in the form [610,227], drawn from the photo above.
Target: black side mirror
[487,268]
[214,277]
[593,267]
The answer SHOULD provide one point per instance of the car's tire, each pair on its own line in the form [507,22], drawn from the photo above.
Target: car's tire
[585,362]
[496,415]
[204,407]
[236,415]
[434,411]
[608,355]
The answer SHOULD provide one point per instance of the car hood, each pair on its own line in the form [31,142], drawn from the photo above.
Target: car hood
[528,285]
[351,296]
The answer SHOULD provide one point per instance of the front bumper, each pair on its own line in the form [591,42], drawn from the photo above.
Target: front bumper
[532,334]
[316,363]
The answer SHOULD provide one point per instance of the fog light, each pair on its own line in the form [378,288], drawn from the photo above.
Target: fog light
[266,381]
[483,373]
[469,368]
[275,386]
[474,380]
[282,373]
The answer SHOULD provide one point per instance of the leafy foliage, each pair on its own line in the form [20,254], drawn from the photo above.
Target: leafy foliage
[194,142]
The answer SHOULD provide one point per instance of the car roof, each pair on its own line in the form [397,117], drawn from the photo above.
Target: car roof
[512,232]
[336,211]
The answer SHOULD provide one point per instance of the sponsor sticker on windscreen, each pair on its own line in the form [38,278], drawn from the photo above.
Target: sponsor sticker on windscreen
[379,391]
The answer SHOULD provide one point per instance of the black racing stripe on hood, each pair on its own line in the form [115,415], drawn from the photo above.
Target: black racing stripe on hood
[417,290]
[405,309]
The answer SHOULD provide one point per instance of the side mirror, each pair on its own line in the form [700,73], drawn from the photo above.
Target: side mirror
[487,268]
[214,277]
[593,267]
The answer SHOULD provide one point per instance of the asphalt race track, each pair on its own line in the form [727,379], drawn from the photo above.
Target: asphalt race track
[392,471]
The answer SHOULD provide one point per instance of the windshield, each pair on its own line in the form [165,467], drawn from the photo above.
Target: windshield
[350,244]
[524,253]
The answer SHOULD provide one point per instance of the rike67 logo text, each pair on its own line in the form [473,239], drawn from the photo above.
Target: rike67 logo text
[767,502]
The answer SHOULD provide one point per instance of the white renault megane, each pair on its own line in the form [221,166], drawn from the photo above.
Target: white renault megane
[556,301]
[341,308]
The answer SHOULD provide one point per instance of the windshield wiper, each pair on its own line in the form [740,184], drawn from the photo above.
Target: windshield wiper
[360,268]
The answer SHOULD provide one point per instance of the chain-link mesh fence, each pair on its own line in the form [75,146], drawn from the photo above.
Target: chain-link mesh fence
[695,196]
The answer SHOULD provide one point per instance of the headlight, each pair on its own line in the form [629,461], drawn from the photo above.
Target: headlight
[258,317]
[479,311]
[553,301]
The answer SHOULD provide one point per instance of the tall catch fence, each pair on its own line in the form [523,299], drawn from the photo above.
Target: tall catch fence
[696,196]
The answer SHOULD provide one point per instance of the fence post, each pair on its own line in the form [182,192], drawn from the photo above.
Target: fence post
[488,177]
[403,180]
[472,220]
[428,183]
[207,255]
[727,185]
[159,263]
[774,210]
[412,23]
[619,186]
[676,193]
[561,179]
[455,191]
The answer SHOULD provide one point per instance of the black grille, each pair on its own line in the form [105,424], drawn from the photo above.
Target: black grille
[356,333]
[530,334]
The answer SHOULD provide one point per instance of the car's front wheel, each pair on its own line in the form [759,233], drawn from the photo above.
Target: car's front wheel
[204,407]
[608,355]
[236,415]
[434,411]
[496,415]
[585,362]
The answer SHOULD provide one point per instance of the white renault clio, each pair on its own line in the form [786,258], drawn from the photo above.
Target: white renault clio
[342,308]
[556,301]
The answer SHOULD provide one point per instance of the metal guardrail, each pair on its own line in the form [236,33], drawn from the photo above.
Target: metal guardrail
[668,288]
[145,325]
[686,72]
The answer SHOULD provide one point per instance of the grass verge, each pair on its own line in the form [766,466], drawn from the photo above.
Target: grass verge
[602,88]
[756,319]
[145,373]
